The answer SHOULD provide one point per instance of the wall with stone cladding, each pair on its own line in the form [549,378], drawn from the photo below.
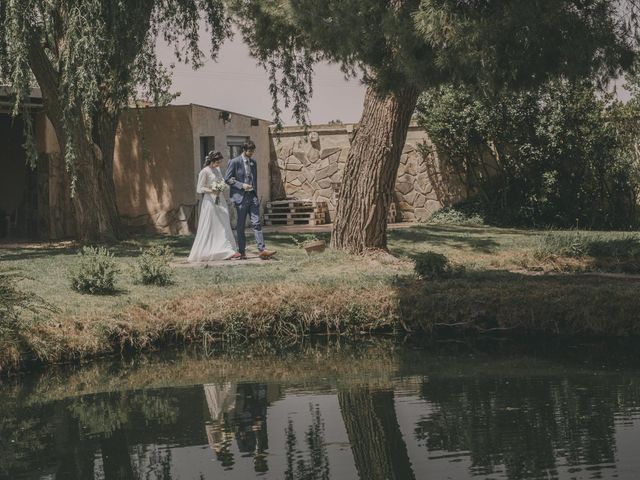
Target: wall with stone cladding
[309,165]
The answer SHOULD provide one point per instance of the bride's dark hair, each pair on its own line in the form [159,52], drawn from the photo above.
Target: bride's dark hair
[212,157]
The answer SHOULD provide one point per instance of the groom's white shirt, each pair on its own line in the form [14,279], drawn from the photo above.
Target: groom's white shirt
[247,166]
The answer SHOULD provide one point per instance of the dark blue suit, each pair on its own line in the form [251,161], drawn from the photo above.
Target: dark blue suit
[247,203]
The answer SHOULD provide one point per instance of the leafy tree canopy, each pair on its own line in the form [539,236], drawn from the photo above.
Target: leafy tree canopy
[554,155]
[485,43]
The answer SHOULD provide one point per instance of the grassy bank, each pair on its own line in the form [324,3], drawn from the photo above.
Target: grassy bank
[513,280]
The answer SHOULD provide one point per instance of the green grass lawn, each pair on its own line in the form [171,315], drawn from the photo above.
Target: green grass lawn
[504,282]
[47,271]
[478,249]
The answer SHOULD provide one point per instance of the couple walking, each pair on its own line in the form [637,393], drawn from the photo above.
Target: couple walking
[214,238]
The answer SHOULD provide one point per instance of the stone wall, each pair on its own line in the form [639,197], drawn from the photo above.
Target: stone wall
[309,165]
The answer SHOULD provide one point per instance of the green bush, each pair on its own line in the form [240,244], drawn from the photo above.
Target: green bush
[11,301]
[453,216]
[433,265]
[14,302]
[558,155]
[152,267]
[571,244]
[577,244]
[96,271]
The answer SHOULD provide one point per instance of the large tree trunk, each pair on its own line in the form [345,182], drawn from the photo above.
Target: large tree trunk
[370,172]
[94,201]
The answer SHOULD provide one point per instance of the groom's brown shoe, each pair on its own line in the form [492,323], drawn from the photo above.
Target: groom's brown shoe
[267,254]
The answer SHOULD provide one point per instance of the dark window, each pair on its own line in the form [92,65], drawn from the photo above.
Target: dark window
[234,145]
[206,145]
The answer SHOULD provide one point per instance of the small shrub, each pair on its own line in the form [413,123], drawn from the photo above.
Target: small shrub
[433,265]
[451,216]
[571,244]
[626,246]
[152,267]
[14,302]
[610,251]
[11,301]
[96,271]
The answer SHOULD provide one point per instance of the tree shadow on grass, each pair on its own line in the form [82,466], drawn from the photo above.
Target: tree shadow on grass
[479,240]
[615,248]
[32,253]
[129,247]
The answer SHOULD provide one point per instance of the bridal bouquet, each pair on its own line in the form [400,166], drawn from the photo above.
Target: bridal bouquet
[219,187]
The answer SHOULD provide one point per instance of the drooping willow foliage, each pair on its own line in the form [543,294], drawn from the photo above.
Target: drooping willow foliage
[282,50]
[93,57]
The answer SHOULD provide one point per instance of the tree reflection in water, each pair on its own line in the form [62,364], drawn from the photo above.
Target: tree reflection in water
[379,451]
[525,427]
[539,420]
[316,465]
[108,419]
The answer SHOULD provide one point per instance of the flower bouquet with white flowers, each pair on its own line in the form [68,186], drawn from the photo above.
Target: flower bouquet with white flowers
[219,187]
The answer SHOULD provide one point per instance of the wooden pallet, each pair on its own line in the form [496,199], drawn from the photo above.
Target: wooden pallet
[295,212]
[294,215]
[290,203]
[296,209]
[295,222]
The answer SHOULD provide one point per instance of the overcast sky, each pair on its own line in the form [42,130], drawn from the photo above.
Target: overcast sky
[235,83]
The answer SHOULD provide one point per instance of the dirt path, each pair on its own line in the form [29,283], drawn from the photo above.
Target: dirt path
[252,259]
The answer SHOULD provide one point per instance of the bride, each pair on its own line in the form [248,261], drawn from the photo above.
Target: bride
[214,238]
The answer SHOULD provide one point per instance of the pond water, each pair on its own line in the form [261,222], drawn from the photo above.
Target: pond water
[332,410]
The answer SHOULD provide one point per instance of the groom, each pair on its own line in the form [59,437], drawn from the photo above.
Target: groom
[242,176]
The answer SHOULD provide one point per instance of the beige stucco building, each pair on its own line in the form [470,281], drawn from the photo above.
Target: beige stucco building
[159,152]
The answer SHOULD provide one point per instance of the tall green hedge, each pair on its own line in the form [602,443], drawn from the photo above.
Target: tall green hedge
[561,155]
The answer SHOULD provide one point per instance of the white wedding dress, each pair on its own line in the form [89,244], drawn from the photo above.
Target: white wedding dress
[214,238]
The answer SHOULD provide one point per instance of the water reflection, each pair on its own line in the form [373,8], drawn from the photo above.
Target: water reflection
[315,465]
[401,414]
[378,448]
[240,411]
[526,427]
